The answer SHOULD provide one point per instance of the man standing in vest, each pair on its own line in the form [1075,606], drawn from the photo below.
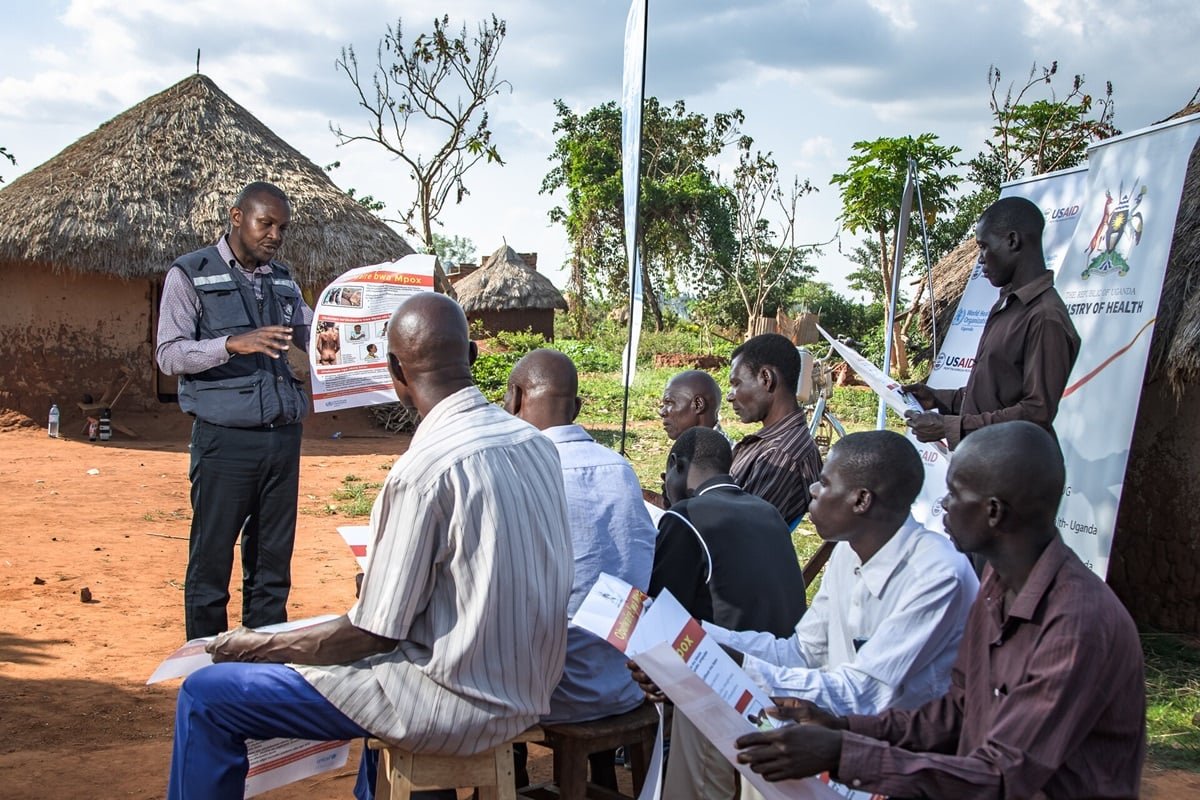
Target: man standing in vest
[229,315]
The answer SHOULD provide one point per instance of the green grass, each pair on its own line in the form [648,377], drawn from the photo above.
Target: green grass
[1172,700]
[354,498]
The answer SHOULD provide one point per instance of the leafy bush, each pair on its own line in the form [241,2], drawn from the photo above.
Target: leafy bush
[589,357]
[491,371]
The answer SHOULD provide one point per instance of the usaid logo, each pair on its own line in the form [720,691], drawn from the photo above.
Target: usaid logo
[960,362]
[1062,214]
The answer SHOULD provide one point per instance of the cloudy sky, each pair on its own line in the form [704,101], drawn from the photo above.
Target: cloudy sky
[812,78]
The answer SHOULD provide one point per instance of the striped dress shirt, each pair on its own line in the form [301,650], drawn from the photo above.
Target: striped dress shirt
[470,569]
[778,464]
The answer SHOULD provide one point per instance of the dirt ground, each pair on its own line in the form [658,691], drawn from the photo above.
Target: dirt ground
[76,718]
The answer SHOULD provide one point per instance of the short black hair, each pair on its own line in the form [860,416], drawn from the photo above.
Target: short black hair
[258,189]
[1019,462]
[771,350]
[883,462]
[1014,214]
[705,448]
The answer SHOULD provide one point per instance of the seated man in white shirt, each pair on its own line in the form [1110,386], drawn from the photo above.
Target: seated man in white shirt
[884,627]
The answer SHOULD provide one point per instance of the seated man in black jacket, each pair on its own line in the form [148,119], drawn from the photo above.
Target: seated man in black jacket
[727,556]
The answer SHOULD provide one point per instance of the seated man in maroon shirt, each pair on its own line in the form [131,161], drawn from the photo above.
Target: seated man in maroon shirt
[1046,698]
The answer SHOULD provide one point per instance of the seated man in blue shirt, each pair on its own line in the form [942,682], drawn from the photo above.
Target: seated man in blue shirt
[611,532]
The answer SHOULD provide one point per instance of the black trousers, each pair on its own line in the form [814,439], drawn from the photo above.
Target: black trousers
[243,481]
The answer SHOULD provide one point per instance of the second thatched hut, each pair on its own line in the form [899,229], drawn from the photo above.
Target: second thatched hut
[506,294]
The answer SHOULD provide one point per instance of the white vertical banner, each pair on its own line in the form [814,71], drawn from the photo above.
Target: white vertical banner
[1060,196]
[1111,280]
[632,93]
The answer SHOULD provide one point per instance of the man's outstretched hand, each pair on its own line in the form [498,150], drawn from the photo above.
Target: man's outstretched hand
[810,747]
[239,644]
[270,340]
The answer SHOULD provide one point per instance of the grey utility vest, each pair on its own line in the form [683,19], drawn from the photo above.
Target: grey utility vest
[248,391]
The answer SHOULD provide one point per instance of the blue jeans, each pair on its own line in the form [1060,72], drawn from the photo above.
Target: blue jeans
[221,706]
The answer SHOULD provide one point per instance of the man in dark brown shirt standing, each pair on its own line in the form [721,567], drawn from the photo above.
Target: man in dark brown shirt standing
[1047,696]
[1029,343]
[780,461]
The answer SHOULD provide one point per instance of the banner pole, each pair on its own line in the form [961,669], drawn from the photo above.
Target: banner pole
[897,264]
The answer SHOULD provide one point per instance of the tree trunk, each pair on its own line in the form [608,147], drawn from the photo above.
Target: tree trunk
[650,298]
[577,284]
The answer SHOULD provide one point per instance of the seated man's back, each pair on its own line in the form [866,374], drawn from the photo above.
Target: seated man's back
[611,531]
[475,503]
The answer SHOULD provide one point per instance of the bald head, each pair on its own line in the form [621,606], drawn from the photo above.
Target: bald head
[543,389]
[691,399]
[429,350]
[1017,462]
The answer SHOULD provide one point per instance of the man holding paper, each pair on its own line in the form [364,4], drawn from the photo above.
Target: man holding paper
[1047,697]
[459,636]
[1029,343]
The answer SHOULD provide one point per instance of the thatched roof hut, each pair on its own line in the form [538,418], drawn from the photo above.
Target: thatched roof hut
[157,181]
[86,238]
[506,294]
[1154,566]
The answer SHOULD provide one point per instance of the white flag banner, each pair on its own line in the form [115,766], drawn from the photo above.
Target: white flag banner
[1060,196]
[1111,280]
[632,91]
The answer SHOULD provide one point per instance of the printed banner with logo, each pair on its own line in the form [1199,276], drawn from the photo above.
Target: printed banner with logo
[1111,281]
[1107,238]
[632,92]
[1059,195]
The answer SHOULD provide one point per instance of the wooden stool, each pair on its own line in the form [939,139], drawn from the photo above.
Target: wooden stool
[491,772]
[572,743]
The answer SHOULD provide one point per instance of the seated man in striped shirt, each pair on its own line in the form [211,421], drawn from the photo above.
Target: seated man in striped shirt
[779,461]
[1047,696]
[459,637]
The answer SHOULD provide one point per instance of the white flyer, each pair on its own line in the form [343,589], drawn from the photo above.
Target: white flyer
[273,762]
[357,538]
[348,342]
[700,677]
[278,762]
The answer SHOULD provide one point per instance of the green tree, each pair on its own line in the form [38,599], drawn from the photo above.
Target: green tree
[457,249]
[435,88]
[1031,135]
[683,209]
[871,189]
[750,277]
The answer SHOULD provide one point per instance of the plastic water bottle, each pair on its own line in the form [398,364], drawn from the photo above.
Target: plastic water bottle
[53,426]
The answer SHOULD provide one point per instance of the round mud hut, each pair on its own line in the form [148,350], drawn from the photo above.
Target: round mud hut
[506,294]
[87,237]
[1155,563]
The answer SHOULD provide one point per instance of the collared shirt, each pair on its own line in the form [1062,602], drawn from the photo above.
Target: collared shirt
[470,570]
[1022,364]
[727,556]
[778,464]
[178,351]
[1046,701]
[611,532]
[880,634]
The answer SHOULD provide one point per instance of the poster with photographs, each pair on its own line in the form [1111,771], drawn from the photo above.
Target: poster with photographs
[348,348]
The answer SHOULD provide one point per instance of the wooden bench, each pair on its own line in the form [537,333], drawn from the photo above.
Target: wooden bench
[490,773]
[572,743]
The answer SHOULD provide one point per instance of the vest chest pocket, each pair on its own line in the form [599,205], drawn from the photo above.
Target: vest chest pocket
[222,307]
[287,298]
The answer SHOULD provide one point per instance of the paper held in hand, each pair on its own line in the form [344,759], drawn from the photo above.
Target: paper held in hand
[273,762]
[692,670]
